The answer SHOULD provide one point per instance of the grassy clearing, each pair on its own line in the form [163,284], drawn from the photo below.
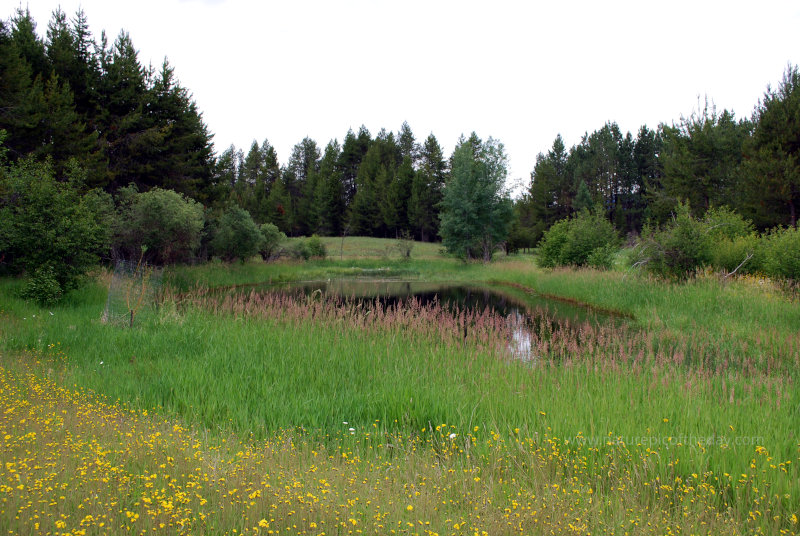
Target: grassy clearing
[610,422]
[363,247]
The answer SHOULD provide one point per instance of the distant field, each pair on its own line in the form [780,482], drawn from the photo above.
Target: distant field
[361,247]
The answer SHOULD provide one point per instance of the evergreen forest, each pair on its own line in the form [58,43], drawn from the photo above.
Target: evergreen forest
[86,113]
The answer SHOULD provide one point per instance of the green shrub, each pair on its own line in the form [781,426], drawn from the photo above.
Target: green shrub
[588,232]
[299,250]
[405,244]
[722,239]
[602,257]
[552,243]
[678,249]
[42,287]
[165,223]
[48,229]
[732,241]
[723,223]
[587,239]
[729,253]
[776,254]
[782,253]
[307,248]
[237,235]
[316,248]
[271,241]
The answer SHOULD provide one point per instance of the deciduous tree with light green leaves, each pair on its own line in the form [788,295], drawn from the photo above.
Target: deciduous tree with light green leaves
[476,209]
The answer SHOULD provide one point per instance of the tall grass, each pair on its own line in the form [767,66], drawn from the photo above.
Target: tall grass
[122,471]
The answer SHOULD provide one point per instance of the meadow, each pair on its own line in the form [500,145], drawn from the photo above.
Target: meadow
[232,412]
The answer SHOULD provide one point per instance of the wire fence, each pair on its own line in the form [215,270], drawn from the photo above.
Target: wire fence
[132,292]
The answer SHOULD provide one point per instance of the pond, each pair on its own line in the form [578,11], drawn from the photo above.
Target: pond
[527,314]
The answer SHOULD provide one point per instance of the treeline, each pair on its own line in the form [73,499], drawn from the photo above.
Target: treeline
[69,97]
[710,159]
[385,186]
[76,102]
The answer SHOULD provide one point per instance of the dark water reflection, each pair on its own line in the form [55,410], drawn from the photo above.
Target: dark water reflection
[527,314]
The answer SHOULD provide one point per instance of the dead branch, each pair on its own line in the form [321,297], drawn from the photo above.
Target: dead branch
[747,258]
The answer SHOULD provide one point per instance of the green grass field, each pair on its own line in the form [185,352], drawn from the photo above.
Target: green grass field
[683,419]
[363,247]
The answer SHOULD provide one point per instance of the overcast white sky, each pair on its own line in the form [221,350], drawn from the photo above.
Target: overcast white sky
[521,72]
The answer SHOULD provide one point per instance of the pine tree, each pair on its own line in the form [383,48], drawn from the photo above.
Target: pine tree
[628,213]
[184,157]
[426,190]
[701,159]
[300,179]
[244,191]
[365,217]
[551,191]
[404,180]
[84,76]
[16,79]
[388,202]
[279,207]
[269,173]
[353,150]
[28,44]
[647,172]
[373,209]
[600,167]
[774,154]
[61,133]
[583,199]
[329,198]
[127,136]
[224,176]
[408,146]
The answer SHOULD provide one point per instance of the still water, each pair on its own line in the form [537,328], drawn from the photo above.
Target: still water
[526,313]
